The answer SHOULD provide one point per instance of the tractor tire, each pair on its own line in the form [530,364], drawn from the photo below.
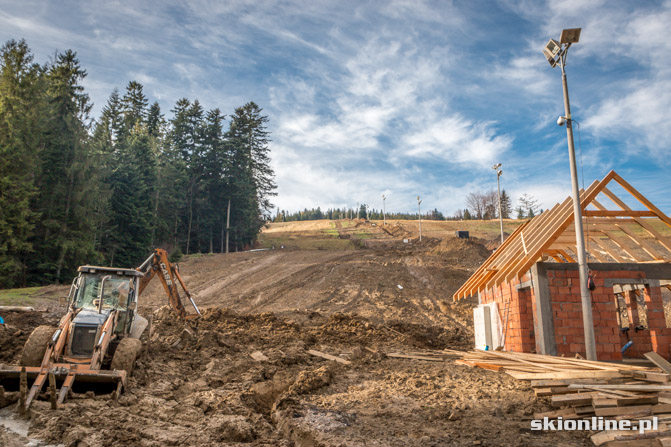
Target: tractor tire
[125,355]
[36,346]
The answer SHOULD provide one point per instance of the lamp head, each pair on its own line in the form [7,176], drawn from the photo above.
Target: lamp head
[570,35]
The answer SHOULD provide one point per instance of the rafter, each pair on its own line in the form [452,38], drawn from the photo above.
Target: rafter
[613,234]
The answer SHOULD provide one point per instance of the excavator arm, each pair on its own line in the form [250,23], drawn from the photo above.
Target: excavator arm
[158,265]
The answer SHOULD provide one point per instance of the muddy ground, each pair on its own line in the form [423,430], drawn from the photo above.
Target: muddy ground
[246,377]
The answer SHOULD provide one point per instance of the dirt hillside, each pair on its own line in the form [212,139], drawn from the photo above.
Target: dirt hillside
[249,374]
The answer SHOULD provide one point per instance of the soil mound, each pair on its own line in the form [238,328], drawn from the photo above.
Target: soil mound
[470,253]
[16,330]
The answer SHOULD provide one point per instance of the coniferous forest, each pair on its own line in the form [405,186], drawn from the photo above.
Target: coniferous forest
[77,189]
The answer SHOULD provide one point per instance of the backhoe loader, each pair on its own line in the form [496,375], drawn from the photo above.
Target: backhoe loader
[97,341]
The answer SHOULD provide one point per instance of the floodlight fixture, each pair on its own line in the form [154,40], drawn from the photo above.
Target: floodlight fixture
[570,35]
[551,50]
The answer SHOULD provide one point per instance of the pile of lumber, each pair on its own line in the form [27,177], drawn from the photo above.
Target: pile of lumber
[583,389]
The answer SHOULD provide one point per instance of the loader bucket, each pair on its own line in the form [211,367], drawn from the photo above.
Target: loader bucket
[66,378]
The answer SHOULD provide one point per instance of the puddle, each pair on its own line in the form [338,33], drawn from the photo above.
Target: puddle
[16,430]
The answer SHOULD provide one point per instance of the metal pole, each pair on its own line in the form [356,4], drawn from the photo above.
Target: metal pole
[384,211]
[588,323]
[228,221]
[419,213]
[498,185]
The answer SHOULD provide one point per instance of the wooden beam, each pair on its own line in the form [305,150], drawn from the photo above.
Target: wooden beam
[535,229]
[659,361]
[467,288]
[649,228]
[609,252]
[564,221]
[566,256]
[608,213]
[645,245]
[641,198]
[622,244]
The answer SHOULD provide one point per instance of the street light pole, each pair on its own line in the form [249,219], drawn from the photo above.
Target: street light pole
[498,186]
[384,211]
[419,213]
[567,38]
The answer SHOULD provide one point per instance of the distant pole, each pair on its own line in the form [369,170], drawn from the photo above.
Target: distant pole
[419,213]
[498,186]
[228,223]
[384,211]
[358,210]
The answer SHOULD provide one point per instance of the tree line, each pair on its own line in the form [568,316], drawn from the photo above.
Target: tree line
[76,190]
[479,206]
[363,212]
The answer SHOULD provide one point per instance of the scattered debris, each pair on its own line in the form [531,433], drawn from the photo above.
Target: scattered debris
[259,356]
[328,357]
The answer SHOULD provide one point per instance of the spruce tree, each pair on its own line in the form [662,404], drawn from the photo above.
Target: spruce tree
[22,107]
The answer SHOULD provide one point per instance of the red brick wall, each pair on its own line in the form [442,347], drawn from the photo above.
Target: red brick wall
[519,335]
[567,313]
[564,288]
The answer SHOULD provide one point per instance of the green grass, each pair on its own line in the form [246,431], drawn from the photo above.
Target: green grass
[362,234]
[331,231]
[19,297]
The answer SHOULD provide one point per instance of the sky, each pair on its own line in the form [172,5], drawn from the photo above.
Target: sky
[404,98]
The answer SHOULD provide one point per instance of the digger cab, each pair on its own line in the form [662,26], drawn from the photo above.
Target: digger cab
[97,291]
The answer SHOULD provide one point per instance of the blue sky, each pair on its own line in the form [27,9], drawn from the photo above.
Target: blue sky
[400,97]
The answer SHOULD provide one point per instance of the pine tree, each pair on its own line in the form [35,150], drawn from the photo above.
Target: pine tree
[21,112]
[69,176]
[506,205]
[133,108]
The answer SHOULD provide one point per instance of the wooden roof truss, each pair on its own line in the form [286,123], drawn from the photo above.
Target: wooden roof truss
[620,235]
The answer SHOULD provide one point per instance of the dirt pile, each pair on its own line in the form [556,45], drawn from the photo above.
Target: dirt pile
[17,329]
[470,253]
[210,387]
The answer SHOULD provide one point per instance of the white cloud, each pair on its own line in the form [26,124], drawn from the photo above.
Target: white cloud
[457,140]
[640,117]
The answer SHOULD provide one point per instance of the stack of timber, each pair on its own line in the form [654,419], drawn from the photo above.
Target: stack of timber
[583,389]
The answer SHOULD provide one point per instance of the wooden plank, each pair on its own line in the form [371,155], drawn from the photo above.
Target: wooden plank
[17,308]
[624,401]
[626,387]
[658,360]
[328,357]
[573,399]
[573,362]
[655,377]
[564,375]
[415,357]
